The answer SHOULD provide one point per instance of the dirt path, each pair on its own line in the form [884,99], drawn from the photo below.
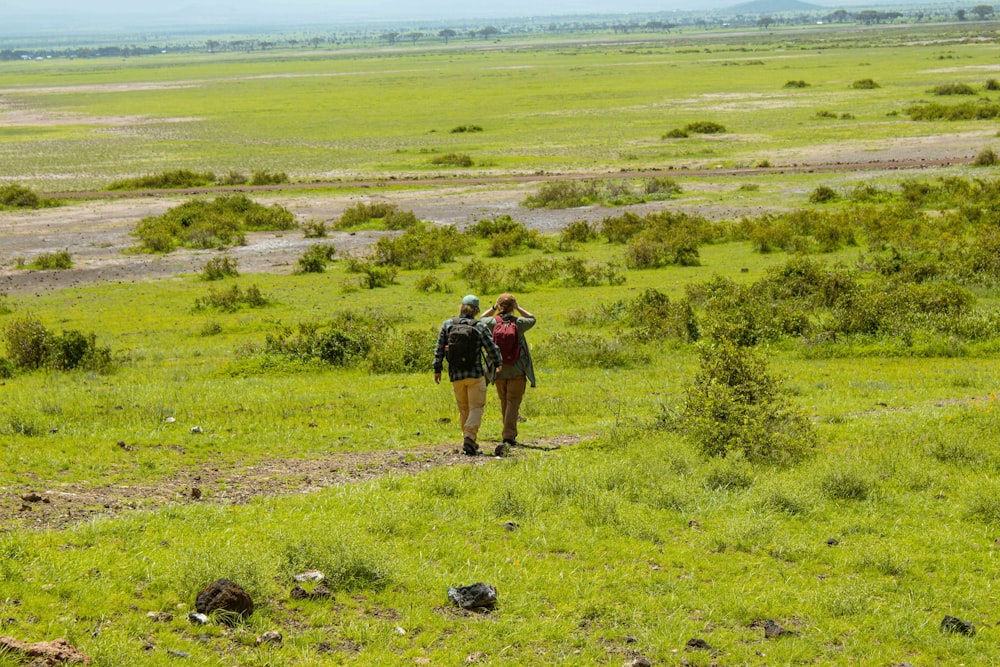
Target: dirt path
[33,507]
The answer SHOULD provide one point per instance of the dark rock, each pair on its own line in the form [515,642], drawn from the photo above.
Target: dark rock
[773,630]
[269,637]
[31,497]
[957,626]
[224,595]
[195,493]
[641,661]
[696,644]
[321,592]
[299,593]
[475,596]
[511,526]
[178,654]
[832,542]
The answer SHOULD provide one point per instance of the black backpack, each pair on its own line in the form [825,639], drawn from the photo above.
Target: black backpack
[462,347]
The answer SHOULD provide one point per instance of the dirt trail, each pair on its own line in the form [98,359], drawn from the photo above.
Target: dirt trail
[36,506]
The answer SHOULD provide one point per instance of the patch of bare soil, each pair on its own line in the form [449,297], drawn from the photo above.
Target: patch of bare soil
[61,506]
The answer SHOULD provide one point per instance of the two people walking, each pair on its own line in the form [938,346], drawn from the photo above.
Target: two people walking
[493,347]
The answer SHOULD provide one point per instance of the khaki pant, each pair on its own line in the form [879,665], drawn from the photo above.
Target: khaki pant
[470,395]
[511,392]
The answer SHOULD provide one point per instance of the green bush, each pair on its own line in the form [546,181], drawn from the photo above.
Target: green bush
[314,230]
[734,408]
[221,267]
[178,178]
[232,299]
[18,196]
[985,158]
[262,177]
[991,84]
[823,194]
[562,194]
[705,127]
[233,178]
[373,275]
[422,246]
[376,215]
[453,160]
[59,261]
[465,128]
[316,258]
[592,351]
[799,83]
[953,89]
[933,111]
[31,346]
[210,224]
[865,84]
[676,133]
[578,231]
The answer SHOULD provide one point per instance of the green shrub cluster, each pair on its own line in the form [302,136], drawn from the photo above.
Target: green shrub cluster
[661,238]
[375,215]
[167,180]
[354,339]
[459,129]
[485,277]
[218,223]
[232,299]
[953,89]
[373,275]
[608,192]
[651,316]
[422,246]
[505,236]
[980,110]
[865,84]
[18,196]
[734,408]
[796,83]
[453,160]
[263,177]
[30,345]
[53,261]
[220,267]
[697,127]
[801,230]
[316,258]
[314,229]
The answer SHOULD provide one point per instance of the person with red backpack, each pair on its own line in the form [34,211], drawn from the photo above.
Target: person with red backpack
[471,353]
[517,370]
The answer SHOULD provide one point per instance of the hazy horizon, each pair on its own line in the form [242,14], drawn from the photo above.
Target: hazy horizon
[78,16]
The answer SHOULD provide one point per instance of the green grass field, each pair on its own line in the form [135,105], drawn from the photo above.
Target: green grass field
[626,541]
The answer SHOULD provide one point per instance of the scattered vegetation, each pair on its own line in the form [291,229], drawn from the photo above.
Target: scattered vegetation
[697,127]
[459,129]
[220,267]
[953,89]
[375,215]
[798,83]
[316,258]
[865,84]
[453,160]
[51,261]
[167,180]
[18,196]
[218,223]
[608,192]
[31,346]
[232,299]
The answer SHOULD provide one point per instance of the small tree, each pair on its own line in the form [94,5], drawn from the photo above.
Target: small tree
[447,34]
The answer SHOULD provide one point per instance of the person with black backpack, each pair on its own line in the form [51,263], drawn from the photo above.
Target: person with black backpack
[517,371]
[466,343]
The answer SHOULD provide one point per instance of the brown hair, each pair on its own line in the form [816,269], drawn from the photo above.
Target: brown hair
[506,302]
[468,311]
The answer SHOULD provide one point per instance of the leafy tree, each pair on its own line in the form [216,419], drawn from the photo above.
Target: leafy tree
[447,34]
[982,11]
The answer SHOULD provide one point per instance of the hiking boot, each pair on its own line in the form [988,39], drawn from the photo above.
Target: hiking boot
[469,446]
[503,449]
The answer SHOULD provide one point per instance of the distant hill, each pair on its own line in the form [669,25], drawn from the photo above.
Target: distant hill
[775,7]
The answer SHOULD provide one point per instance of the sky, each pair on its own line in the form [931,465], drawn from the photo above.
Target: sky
[84,14]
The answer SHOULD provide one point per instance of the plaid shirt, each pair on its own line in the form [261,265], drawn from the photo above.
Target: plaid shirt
[486,338]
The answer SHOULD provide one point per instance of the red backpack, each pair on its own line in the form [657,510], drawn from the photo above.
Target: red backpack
[508,340]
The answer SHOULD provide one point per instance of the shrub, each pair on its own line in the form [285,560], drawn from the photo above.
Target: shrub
[178,178]
[218,268]
[422,246]
[314,230]
[31,346]
[59,260]
[845,485]
[825,114]
[26,339]
[676,133]
[796,84]
[933,111]
[660,187]
[985,158]
[316,257]
[953,89]
[233,178]
[260,177]
[453,160]
[6,368]
[210,224]
[705,127]
[592,351]
[232,299]
[430,283]
[18,196]
[822,195]
[376,215]
[991,84]
[458,129]
[561,194]
[734,408]
[373,275]
[865,84]
[578,231]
